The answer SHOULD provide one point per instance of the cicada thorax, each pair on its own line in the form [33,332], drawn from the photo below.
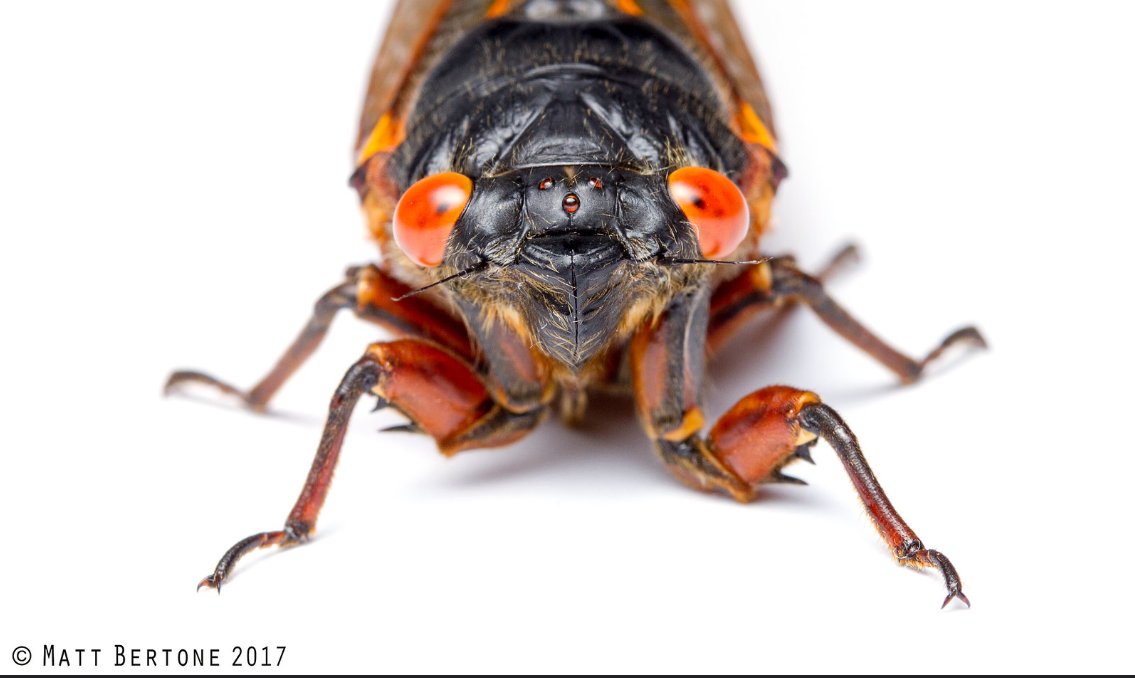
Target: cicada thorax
[569,120]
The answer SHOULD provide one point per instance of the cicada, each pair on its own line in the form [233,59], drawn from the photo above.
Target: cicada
[567,196]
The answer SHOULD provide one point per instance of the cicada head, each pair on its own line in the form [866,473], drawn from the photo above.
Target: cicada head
[574,254]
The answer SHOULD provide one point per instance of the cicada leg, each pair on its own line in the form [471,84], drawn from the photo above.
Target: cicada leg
[766,430]
[757,437]
[440,393]
[778,282]
[844,258]
[371,294]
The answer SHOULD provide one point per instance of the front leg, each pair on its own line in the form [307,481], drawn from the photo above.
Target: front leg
[757,437]
[764,432]
[438,391]
[667,362]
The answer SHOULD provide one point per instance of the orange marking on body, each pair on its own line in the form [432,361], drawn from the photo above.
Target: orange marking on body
[748,124]
[692,422]
[628,7]
[387,134]
[752,129]
[498,8]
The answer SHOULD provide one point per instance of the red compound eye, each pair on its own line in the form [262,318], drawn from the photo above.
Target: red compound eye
[714,205]
[425,215]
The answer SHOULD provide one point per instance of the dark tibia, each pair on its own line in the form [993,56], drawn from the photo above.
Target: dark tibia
[824,422]
[773,284]
[846,257]
[305,344]
[362,376]
[790,283]
[441,394]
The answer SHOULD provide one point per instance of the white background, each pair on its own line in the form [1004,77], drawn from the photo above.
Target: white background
[173,194]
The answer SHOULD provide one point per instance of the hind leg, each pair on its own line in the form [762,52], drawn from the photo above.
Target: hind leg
[779,282]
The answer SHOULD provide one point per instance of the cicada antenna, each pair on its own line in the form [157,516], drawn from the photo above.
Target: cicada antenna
[449,278]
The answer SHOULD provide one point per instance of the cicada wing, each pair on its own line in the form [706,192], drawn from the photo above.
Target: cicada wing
[418,34]
[726,44]
[708,29]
